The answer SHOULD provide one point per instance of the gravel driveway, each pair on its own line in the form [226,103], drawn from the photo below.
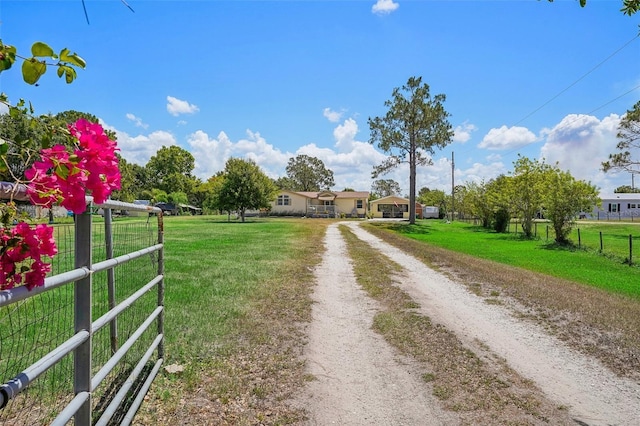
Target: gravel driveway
[361,380]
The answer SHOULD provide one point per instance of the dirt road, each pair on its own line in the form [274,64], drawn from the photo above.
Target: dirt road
[361,380]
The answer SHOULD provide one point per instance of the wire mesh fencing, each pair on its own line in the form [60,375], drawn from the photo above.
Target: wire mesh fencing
[85,347]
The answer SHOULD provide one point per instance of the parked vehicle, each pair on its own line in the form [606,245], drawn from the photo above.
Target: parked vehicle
[168,209]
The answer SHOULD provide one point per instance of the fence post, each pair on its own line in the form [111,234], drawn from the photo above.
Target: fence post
[161,285]
[535,229]
[82,321]
[111,284]
[600,241]
[579,239]
[630,250]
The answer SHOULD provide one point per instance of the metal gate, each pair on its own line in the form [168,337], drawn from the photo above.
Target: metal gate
[87,345]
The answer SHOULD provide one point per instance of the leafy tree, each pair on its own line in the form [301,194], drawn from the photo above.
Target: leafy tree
[213,201]
[434,197]
[128,189]
[415,124]
[348,190]
[155,195]
[385,187]
[628,156]
[527,189]
[177,198]
[626,189]
[564,198]
[21,140]
[25,135]
[629,7]
[244,187]
[285,182]
[306,173]
[461,202]
[170,169]
[134,182]
[202,191]
[478,199]
[499,203]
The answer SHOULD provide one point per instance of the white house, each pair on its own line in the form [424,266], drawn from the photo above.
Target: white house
[616,206]
[321,204]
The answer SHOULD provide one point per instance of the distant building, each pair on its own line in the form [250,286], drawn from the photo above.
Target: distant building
[616,206]
[321,204]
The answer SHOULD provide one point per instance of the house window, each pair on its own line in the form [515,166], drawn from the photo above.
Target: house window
[633,206]
[613,208]
[358,204]
[284,200]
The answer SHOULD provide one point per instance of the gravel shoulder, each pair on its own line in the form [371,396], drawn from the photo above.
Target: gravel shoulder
[360,379]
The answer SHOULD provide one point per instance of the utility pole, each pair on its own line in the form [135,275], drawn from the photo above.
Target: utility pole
[453,195]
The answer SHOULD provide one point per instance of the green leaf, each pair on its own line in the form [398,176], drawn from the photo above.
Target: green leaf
[69,74]
[45,141]
[62,171]
[4,147]
[7,56]
[72,59]
[14,112]
[32,70]
[40,49]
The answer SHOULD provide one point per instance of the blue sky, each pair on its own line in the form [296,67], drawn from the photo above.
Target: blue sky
[269,80]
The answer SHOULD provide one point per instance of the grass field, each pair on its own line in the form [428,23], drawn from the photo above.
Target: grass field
[587,266]
[235,293]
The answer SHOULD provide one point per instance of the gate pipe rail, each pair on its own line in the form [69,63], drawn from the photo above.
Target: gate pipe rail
[79,407]
[113,361]
[20,382]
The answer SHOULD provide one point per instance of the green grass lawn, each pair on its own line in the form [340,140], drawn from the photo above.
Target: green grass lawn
[212,269]
[586,266]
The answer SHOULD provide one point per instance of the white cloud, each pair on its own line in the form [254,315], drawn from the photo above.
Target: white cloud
[332,116]
[507,138]
[137,121]
[494,157]
[462,133]
[384,7]
[479,172]
[176,106]
[138,149]
[351,161]
[345,135]
[211,154]
[580,143]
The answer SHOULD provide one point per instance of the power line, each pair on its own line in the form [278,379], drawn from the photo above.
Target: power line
[577,81]
[562,92]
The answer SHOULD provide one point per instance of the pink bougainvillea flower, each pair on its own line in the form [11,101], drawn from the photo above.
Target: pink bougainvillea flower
[21,255]
[35,277]
[64,177]
[67,179]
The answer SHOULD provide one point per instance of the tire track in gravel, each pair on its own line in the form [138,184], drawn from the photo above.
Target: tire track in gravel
[359,379]
[592,393]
